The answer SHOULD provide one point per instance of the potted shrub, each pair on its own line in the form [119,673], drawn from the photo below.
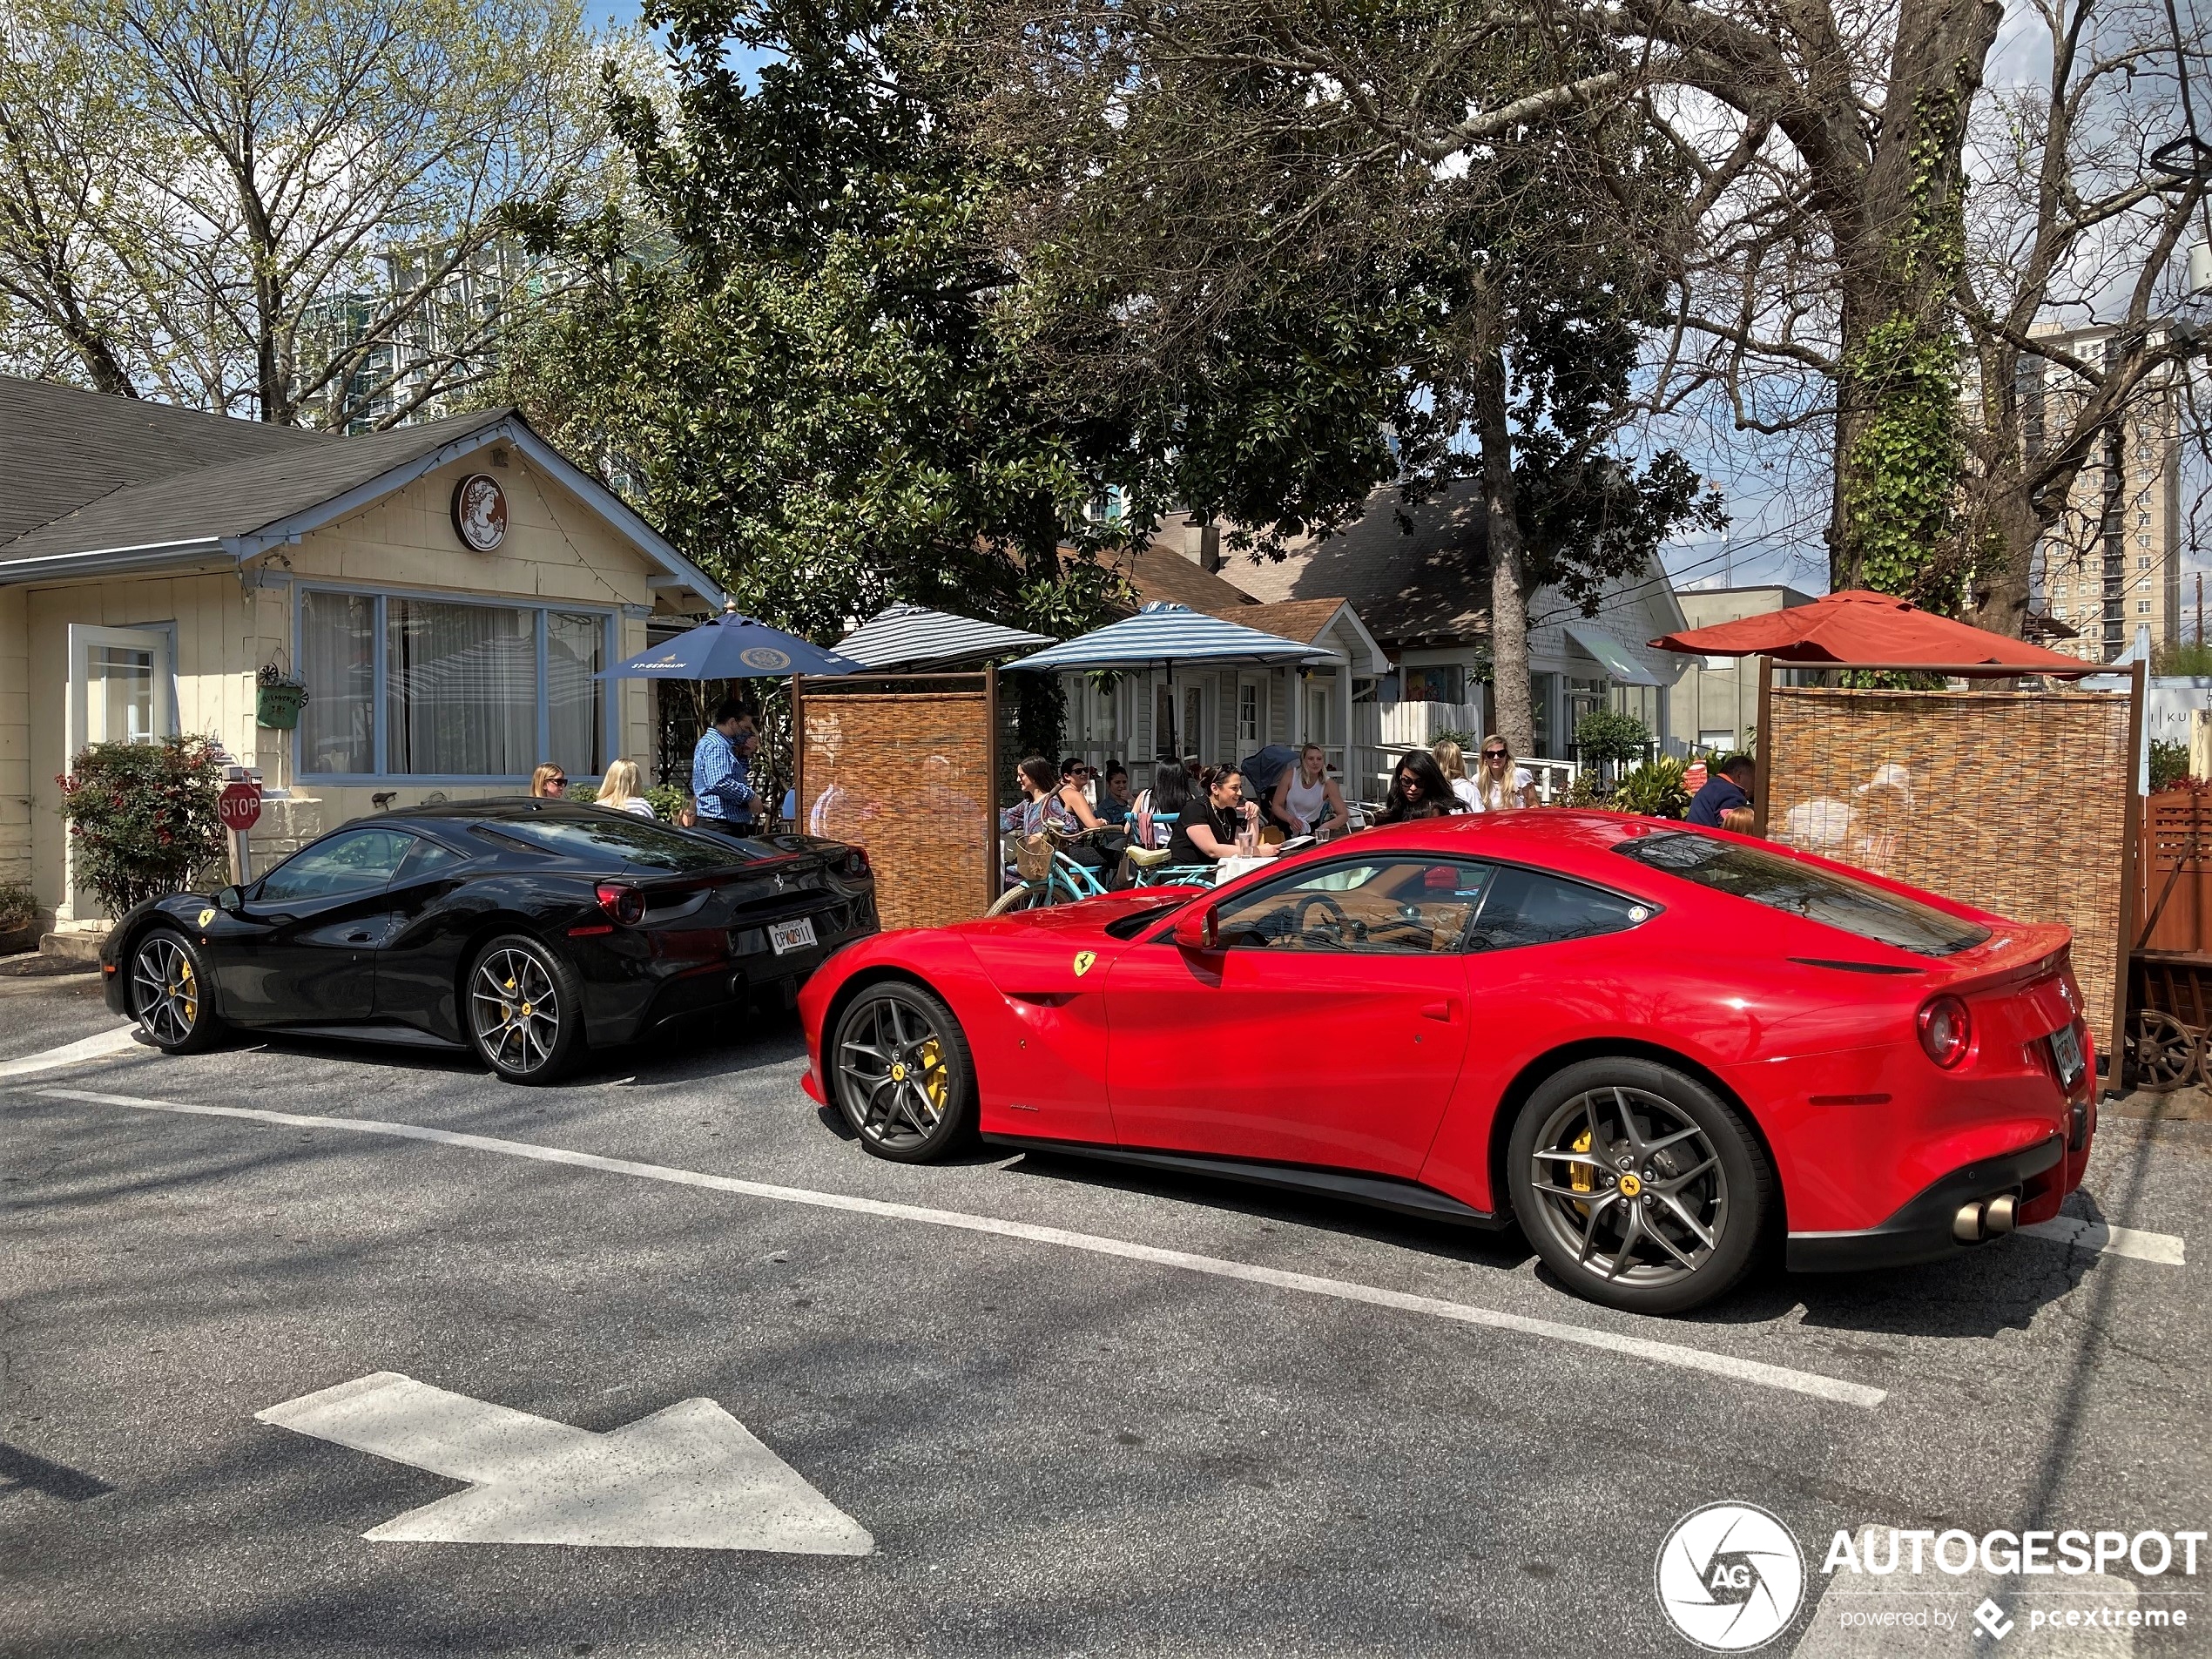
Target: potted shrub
[18,917]
[1656,789]
[142,817]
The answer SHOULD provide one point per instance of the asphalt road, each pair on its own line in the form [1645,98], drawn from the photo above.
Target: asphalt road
[1057,1451]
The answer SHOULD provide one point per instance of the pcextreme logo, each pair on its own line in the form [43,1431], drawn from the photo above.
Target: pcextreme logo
[1730,1577]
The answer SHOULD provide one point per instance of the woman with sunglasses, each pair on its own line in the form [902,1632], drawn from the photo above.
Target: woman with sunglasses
[549,782]
[1217,817]
[1498,784]
[1417,791]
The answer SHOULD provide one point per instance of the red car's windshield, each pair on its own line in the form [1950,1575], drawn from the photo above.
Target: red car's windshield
[1805,890]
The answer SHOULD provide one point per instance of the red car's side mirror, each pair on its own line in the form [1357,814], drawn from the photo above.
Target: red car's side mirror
[1196,930]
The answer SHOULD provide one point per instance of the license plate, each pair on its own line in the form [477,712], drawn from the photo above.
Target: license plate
[799,934]
[2066,1049]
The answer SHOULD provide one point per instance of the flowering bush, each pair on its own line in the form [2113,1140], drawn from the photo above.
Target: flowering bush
[142,816]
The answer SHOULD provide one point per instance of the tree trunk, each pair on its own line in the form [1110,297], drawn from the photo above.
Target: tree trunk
[1897,458]
[1509,604]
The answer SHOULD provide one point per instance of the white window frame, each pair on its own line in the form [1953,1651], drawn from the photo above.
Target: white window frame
[610,710]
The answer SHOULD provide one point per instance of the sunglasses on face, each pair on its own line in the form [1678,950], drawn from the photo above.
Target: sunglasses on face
[1494,754]
[556,783]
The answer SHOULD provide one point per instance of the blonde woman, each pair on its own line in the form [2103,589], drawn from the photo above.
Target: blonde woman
[619,791]
[1451,761]
[1498,784]
[549,782]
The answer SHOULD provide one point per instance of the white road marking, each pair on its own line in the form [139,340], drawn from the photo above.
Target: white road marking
[98,1047]
[2164,1248]
[1665,1353]
[690,1477]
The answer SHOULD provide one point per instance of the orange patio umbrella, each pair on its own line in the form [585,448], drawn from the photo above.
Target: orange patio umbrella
[1874,630]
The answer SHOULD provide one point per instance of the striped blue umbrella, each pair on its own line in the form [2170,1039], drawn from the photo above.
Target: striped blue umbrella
[1165,636]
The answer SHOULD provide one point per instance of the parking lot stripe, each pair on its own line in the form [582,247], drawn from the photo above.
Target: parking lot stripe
[1665,1353]
[2163,1248]
[96,1048]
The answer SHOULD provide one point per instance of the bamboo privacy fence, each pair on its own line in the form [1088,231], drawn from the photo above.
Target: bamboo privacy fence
[906,766]
[2020,802]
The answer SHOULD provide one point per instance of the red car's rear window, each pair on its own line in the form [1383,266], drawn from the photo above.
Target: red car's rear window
[1805,890]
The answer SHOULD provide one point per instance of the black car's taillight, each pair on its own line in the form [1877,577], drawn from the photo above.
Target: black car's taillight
[856,861]
[625,904]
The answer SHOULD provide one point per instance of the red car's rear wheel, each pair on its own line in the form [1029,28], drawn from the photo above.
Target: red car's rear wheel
[905,1080]
[1637,1185]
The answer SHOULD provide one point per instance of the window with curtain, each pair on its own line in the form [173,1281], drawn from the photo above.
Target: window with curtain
[338,661]
[460,689]
[572,692]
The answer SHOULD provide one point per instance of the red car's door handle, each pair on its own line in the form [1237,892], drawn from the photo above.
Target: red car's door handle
[1446,1012]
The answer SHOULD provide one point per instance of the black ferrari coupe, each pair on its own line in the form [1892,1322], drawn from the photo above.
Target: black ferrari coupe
[527,929]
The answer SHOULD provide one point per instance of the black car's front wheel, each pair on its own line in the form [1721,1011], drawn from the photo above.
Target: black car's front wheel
[904,1078]
[170,991]
[1638,1186]
[525,1012]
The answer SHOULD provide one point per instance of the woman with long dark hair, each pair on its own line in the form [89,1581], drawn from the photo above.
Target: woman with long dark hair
[1169,797]
[1417,790]
[1210,826]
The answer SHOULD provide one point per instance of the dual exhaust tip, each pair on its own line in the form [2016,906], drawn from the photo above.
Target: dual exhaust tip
[1979,1220]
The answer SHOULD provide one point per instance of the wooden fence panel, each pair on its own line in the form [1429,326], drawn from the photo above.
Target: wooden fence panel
[906,766]
[2017,802]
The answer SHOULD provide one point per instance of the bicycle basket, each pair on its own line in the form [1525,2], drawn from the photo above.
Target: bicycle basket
[1032,857]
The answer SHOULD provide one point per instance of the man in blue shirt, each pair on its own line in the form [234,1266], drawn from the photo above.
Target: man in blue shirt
[721,764]
[1725,801]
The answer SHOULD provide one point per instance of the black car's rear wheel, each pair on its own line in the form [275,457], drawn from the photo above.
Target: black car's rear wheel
[1637,1185]
[904,1078]
[170,992]
[525,1013]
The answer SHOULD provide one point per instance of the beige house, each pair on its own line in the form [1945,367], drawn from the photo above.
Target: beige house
[448,592]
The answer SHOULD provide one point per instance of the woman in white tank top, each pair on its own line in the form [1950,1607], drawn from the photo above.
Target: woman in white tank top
[1307,801]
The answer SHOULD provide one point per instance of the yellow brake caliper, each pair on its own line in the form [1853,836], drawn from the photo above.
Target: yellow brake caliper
[186,988]
[1581,1177]
[932,1073]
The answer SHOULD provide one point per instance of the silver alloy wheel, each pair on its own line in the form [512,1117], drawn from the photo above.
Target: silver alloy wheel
[893,1065]
[1630,1185]
[516,1010]
[167,988]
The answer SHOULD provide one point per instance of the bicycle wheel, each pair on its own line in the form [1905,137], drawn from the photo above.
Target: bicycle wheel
[1029,895]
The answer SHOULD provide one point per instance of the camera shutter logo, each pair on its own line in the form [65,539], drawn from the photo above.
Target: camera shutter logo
[1730,1577]
[480,513]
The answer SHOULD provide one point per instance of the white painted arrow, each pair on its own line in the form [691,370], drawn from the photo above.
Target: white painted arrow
[690,1477]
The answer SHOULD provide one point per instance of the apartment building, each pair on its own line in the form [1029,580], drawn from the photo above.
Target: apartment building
[2112,566]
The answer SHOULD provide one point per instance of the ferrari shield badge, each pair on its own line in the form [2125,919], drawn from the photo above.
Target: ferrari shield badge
[1083,959]
[206,916]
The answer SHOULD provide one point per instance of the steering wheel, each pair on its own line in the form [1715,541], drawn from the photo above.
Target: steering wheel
[1335,927]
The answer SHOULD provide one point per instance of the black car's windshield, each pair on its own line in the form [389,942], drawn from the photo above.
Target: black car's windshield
[618,837]
[1805,890]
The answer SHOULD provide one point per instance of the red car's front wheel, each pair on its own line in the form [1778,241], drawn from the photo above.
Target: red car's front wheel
[904,1078]
[1638,1186]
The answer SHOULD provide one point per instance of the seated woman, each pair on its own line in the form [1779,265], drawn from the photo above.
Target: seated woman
[619,791]
[1208,829]
[1307,801]
[1044,808]
[1167,798]
[1500,784]
[1417,791]
[1074,774]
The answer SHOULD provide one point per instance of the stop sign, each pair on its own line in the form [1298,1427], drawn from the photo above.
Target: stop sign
[238,807]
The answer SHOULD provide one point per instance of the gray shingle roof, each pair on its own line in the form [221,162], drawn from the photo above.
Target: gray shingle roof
[65,447]
[256,483]
[1432,584]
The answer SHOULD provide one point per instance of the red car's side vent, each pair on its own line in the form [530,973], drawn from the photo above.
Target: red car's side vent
[1856,967]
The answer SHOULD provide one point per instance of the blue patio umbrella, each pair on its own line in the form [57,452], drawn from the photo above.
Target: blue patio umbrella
[732,647]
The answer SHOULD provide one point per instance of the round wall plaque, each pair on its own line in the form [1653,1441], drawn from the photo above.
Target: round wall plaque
[480,512]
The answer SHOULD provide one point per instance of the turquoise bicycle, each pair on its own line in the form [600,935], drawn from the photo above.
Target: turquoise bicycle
[1041,872]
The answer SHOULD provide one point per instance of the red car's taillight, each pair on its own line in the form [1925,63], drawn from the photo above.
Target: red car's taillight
[1946,1030]
[625,904]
